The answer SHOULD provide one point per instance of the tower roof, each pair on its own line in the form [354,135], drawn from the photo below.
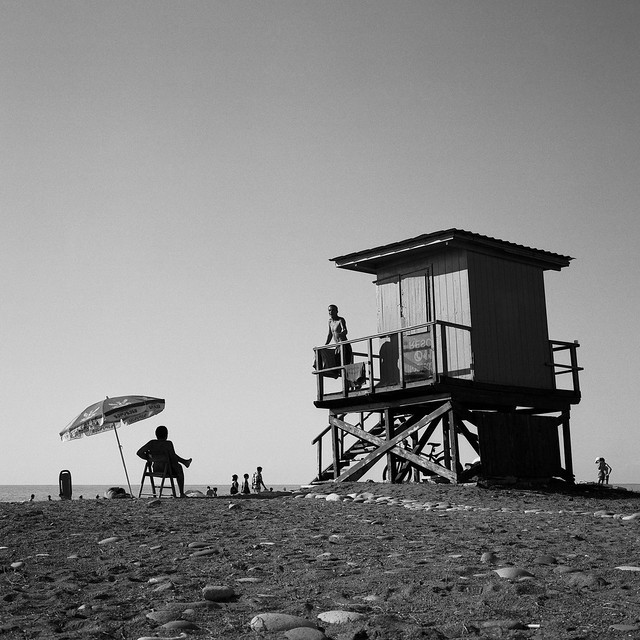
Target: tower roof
[370,260]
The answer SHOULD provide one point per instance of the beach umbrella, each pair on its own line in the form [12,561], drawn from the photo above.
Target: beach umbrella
[109,414]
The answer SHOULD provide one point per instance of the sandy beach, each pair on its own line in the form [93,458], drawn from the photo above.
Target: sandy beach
[369,561]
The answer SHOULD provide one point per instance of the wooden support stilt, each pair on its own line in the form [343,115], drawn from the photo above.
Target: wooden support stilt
[566,441]
[392,470]
[335,439]
[454,462]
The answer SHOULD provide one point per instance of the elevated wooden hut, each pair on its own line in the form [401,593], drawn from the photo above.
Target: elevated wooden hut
[462,352]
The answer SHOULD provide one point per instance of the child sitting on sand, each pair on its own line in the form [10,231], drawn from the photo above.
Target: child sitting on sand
[234,484]
[245,484]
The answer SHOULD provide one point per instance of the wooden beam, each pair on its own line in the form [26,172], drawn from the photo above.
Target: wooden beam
[454,460]
[472,438]
[359,469]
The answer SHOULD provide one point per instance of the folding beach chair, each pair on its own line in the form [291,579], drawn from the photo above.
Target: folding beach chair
[151,474]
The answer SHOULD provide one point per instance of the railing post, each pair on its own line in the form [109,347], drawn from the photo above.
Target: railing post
[370,365]
[574,367]
[319,376]
[401,356]
[343,372]
[445,355]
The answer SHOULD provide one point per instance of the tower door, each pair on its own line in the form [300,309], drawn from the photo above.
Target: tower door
[417,345]
[414,299]
[404,301]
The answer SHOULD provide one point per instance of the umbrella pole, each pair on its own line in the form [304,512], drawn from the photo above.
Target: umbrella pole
[126,473]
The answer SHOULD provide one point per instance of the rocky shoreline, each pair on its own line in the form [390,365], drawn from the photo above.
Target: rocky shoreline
[344,561]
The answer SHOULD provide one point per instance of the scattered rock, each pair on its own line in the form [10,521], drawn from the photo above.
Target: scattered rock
[279,622]
[180,624]
[339,616]
[513,573]
[489,557]
[304,633]
[624,627]
[216,593]
[161,617]
[581,580]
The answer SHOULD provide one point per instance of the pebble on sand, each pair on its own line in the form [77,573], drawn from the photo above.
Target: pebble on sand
[279,622]
[161,617]
[624,627]
[339,616]
[581,580]
[304,633]
[512,573]
[218,593]
[179,624]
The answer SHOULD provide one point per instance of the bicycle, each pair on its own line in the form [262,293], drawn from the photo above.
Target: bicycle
[404,466]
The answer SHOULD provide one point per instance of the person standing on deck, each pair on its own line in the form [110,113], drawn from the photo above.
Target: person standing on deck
[338,333]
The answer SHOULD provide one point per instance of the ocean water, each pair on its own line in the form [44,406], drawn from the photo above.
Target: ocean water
[41,492]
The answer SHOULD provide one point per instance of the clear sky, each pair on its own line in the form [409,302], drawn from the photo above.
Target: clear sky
[174,177]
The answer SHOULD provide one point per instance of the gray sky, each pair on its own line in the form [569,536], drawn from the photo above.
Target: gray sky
[175,175]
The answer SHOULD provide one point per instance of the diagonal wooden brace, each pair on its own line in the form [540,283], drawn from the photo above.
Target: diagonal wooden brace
[384,446]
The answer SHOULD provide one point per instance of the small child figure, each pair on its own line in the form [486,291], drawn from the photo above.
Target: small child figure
[257,483]
[604,470]
[234,484]
[245,484]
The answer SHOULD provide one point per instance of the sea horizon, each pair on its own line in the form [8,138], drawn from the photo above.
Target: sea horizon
[42,492]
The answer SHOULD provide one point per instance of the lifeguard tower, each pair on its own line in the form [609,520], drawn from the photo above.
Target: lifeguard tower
[462,355]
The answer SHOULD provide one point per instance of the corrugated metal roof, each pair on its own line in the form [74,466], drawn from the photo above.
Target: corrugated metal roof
[367,259]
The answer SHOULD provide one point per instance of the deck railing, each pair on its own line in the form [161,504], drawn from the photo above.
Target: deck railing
[414,356]
[560,350]
[408,357]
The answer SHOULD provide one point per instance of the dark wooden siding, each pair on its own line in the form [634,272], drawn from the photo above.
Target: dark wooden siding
[519,445]
[510,334]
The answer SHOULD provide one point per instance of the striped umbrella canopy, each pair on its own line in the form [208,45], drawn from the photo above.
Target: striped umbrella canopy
[109,413]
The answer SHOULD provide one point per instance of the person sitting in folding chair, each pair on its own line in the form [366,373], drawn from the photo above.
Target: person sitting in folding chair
[163,447]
